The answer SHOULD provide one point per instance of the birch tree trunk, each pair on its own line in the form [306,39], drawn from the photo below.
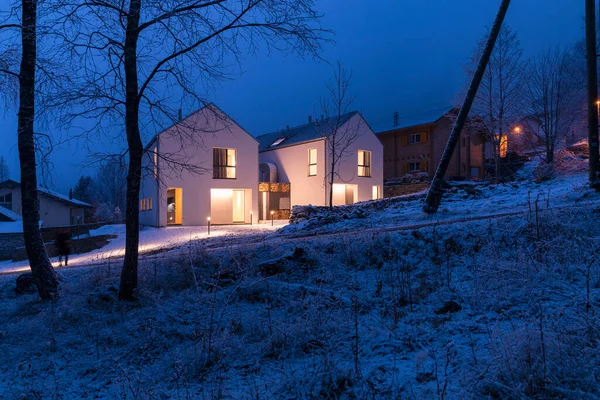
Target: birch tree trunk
[44,275]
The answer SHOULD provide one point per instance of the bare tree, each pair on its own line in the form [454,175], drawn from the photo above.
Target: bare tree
[43,273]
[339,136]
[553,93]
[4,170]
[108,188]
[140,59]
[497,106]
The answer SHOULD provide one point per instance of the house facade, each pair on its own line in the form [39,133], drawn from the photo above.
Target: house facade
[55,208]
[205,166]
[415,144]
[301,157]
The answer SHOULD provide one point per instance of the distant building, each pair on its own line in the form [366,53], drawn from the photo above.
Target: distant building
[300,156]
[415,143]
[55,209]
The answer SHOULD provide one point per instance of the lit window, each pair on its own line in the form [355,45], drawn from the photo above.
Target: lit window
[414,138]
[376,193]
[224,163]
[312,162]
[364,163]
[414,166]
[155,162]
[503,145]
[277,142]
[146,204]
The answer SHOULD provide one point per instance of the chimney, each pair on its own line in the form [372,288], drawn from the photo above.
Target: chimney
[310,119]
[396,118]
[70,194]
[179,115]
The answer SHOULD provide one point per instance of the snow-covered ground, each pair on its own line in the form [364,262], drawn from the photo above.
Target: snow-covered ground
[467,200]
[153,241]
[457,204]
[366,316]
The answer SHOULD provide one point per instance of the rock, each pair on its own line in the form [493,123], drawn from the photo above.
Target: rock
[272,267]
[543,172]
[449,307]
[472,191]
[277,266]
[104,295]
[25,284]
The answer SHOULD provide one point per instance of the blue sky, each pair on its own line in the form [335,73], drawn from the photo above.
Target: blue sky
[406,56]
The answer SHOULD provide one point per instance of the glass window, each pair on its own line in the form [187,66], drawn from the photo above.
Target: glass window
[224,163]
[155,162]
[364,163]
[277,142]
[414,166]
[376,194]
[312,162]
[414,138]
[6,201]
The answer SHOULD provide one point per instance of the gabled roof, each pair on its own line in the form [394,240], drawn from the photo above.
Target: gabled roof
[299,134]
[49,193]
[211,106]
[8,214]
[422,118]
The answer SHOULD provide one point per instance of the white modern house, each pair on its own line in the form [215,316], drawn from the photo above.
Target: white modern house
[301,157]
[205,166]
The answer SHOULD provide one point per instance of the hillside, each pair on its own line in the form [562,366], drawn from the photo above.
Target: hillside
[502,308]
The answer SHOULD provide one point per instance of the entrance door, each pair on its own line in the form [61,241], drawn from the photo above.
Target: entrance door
[239,206]
[174,206]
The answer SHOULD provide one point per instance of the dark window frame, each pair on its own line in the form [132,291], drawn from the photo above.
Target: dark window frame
[415,163]
[311,164]
[4,201]
[220,170]
[416,136]
[366,165]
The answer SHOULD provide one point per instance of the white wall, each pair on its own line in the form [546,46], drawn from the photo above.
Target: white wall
[292,167]
[191,142]
[348,167]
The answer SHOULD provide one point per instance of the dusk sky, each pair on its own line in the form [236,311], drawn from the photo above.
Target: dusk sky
[406,56]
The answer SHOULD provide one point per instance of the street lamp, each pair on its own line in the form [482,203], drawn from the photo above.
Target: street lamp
[208,226]
[250,217]
[272,217]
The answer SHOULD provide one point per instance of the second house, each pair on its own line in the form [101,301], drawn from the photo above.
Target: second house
[304,157]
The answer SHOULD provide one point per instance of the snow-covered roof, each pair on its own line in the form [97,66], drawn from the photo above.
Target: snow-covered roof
[9,214]
[420,118]
[49,193]
[298,134]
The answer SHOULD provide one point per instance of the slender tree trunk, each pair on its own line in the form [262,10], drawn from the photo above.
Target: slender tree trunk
[129,274]
[592,86]
[332,176]
[43,273]
[434,195]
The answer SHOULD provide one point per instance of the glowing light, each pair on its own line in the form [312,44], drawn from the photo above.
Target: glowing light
[517,129]
[208,218]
